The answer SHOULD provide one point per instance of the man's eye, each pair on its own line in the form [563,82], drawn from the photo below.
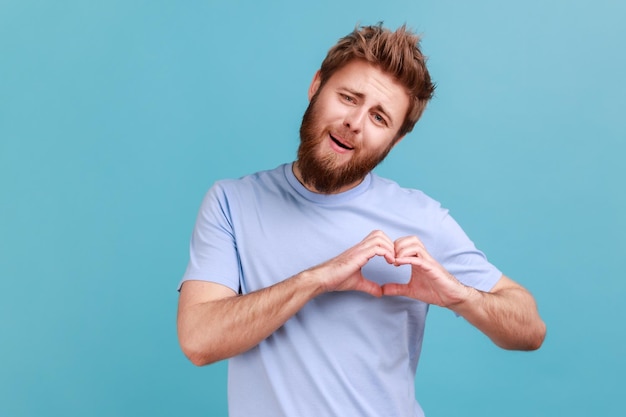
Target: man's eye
[348,98]
[379,118]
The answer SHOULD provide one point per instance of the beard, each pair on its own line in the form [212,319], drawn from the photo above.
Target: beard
[323,172]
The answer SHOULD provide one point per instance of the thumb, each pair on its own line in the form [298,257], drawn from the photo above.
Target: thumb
[369,287]
[392,289]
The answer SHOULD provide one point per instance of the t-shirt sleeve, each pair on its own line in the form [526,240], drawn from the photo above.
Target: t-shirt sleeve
[458,254]
[212,250]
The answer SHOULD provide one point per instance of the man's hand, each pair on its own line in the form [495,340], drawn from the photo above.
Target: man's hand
[343,272]
[507,314]
[430,282]
[215,323]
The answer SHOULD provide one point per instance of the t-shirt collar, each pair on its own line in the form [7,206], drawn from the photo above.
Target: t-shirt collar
[325,198]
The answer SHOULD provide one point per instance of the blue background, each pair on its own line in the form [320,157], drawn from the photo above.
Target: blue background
[117,116]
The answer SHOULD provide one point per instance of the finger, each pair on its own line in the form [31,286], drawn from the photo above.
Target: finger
[375,238]
[410,239]
[387,251]
[409,260]
[384,252]
[393,289]
[376,246]
[380,245]
[380,237]
[409,251]
[413,252]
[379,233]
[415,262]
[370,287]
[406,242]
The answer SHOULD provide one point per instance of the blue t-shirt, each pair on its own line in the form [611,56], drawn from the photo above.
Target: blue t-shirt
[344,353]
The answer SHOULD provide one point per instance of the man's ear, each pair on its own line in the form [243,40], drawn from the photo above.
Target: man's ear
[315,84]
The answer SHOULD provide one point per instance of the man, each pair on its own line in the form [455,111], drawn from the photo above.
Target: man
[315,278]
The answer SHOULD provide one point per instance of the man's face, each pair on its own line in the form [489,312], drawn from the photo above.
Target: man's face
[349,127]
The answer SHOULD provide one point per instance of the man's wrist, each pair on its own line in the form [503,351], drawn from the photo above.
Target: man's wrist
[470,298]
[309,282]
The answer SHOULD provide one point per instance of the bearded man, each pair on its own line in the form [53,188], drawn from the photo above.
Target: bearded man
[315,278]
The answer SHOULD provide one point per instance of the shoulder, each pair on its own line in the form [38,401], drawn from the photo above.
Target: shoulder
[393,193]
[249,183]
[243,192]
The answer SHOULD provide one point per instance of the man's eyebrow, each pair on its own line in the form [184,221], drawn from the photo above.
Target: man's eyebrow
[379,108]
[353,92]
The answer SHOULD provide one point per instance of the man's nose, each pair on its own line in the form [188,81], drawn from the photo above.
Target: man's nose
[354,119]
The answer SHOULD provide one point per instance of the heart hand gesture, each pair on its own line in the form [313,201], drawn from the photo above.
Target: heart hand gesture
[430,282]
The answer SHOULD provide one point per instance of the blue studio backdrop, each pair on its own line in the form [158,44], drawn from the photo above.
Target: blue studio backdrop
[117,116]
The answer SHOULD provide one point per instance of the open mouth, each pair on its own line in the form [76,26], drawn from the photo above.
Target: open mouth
[340,144]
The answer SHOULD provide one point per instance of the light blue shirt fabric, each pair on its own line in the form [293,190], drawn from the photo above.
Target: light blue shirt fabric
[345,353]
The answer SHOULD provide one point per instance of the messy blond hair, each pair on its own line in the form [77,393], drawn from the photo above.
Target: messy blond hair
[396,53]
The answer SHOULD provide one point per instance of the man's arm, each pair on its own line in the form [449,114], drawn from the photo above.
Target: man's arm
[215,323]
[507,314]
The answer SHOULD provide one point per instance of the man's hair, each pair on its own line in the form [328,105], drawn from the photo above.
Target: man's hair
[396,53]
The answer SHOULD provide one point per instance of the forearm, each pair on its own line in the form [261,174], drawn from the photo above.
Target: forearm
[221,328]
[214,323]
[508,316]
